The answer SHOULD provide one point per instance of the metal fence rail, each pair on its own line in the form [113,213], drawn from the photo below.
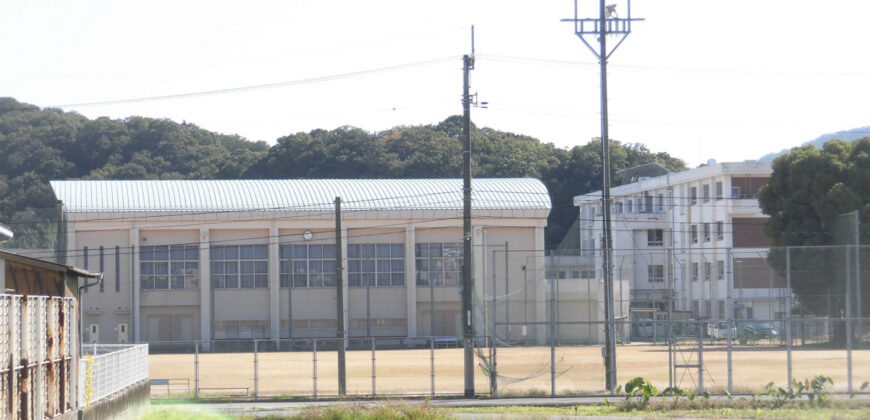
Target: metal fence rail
[107,368]
[38,343]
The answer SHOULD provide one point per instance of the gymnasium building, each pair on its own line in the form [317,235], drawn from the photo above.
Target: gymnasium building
[256,259]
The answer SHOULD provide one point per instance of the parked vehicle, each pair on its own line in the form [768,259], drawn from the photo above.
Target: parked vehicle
[721,330]
[760,330]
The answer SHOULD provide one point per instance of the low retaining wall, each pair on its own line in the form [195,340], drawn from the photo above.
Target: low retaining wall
[129,403]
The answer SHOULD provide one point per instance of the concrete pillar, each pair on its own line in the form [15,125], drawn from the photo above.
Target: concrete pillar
[411,279]
[135,323]
[2,276]
[274,284]
[204,284]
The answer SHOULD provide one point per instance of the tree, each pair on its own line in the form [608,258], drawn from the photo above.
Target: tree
[808,189]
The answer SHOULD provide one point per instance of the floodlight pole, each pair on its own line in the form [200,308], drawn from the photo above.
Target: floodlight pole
[601,27]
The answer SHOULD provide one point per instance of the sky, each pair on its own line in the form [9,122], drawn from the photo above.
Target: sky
[699,79]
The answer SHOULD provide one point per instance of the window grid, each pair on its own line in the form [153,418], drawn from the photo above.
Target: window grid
[708,269]
[169,267]
[694,271]
[376,265]
[654,237]
[693,234]
[307,265]
[439,264]
[239,266]
[656,273]
[707,236]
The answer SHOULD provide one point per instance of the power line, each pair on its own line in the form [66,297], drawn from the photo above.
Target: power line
[225,91]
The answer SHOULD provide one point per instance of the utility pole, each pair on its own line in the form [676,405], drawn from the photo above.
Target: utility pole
[341,332]
[467,282]
[607,23]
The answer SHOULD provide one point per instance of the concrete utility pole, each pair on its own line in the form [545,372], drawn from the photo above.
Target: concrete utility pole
[607,23]
[467,283]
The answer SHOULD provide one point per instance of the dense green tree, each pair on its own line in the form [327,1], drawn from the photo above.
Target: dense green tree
[808,189]
[38,145]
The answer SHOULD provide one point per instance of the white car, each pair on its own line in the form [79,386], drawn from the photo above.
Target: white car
[721,330]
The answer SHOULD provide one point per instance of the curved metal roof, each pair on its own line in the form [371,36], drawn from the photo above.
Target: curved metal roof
[298,195]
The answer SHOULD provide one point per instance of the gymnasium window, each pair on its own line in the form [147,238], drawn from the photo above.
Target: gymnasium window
[167,267]
[307,265]
[439,264]
[377,265]
[239,266]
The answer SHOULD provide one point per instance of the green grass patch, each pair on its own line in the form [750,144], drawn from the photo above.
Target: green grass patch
[657,411]
[186,413]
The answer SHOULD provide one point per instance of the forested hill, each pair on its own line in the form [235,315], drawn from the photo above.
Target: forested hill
[39,145]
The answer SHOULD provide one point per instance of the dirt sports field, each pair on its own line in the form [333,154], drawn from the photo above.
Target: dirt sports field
[521,370]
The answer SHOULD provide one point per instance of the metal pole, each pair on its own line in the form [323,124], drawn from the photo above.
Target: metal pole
[196,370]
[467,282]
[848,320]
[553,337]
[339,290]
[494,379]
[788,323]
[858,277]
[700,357]
[729,277]
[610,343]
[256,372]
[507,287]
[493,382]
[314,364]
[432,365]
[374,388]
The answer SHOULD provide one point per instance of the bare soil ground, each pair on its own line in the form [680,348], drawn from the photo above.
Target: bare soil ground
[521,370]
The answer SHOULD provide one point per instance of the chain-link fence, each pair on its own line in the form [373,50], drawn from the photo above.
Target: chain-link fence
[108,368]
[730,320]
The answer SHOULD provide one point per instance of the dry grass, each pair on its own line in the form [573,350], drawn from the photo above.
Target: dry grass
[521,370]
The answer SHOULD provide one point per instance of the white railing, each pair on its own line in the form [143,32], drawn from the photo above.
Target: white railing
[108,368]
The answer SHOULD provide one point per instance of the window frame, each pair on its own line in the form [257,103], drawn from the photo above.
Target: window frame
[258,261]
[175,262]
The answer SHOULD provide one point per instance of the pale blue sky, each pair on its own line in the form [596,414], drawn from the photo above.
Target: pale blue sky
[700,79]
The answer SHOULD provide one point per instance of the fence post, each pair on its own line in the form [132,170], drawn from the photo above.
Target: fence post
[314,370]
[730,304]
[256,371]
[553,337]
[788,314]
[494,345]
[432,364]
[373,367]
[195,371]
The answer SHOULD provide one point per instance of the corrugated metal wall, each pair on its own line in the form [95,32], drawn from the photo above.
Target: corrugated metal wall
[38,342]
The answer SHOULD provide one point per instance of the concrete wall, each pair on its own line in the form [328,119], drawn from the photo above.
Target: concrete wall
[130,403]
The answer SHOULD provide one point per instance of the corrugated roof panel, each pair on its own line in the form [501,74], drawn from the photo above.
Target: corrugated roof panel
[299,195]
